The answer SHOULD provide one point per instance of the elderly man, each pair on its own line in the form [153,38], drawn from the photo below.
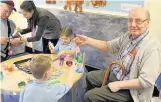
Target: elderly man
[7,29]
[137,52]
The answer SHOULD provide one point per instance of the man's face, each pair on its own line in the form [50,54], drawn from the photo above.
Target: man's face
[137,22]
[5,10]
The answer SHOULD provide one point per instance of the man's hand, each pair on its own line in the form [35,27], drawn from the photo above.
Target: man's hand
[81,40]
[3,40]
[114,86]
[16,42]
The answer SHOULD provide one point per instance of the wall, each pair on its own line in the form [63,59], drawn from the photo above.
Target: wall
[154,7]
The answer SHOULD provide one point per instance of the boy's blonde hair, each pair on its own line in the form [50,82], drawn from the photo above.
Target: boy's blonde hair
[39,65]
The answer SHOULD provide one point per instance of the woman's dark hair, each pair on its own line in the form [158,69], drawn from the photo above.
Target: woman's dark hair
[67,31]
[28,6]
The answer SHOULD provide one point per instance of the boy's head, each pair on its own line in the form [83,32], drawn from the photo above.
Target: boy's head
[41,67]
[66,34]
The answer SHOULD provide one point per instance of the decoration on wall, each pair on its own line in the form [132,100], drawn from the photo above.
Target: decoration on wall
[50,1]
[98,3]
[77,3]
[113,7]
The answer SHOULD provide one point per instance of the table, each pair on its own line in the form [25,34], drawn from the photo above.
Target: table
[10,81]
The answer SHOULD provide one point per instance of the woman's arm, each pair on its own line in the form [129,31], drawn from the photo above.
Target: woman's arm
[41,27]
[24,31]
[27,30]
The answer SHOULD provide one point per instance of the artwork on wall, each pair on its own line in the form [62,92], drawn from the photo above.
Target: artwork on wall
[50,1]
[76,3]
[114,7]
[98,3]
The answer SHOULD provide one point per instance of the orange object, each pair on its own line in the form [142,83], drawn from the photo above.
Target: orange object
[10,68]
[78,39]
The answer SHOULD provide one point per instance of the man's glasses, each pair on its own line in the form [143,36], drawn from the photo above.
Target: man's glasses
[137,21]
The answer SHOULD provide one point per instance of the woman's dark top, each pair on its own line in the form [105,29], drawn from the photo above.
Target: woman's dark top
[48,26]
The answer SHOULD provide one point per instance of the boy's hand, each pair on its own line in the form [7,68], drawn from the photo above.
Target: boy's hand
[71,77]
[73,68]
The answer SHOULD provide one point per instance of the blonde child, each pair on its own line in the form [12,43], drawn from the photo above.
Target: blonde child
[65,45]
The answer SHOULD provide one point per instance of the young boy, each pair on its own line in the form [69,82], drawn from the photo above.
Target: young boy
[39,90]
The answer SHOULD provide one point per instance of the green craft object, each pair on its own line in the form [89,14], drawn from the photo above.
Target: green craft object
[1,75]
[53,77]
[21,84]
[54,82]
[79,59]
